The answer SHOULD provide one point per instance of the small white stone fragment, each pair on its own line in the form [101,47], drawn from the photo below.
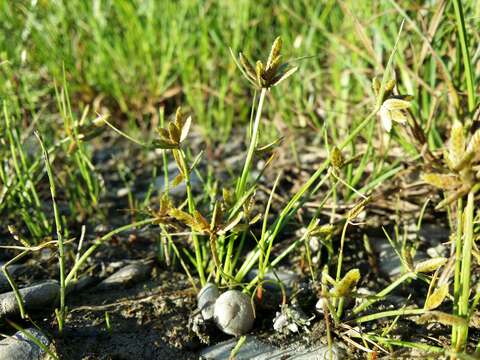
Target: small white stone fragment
[321,303]
[206,300]
[234,313]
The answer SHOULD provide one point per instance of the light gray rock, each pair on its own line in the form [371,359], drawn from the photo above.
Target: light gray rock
[320,352]
[254,349]
[251,349]
[126,276]
[20,347]
[234,313]
[206,300]
[38,296]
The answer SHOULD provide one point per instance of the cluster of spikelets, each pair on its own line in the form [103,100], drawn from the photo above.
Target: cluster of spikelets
[265,76]
[462,161]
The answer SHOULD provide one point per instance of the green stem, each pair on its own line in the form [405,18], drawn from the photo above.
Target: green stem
[465,275]
[364,305]
[13,285]
[462,34]
[253,144]
[58,226]
[389,313]
[100,241]
[292,205]
[191,208]
[276,261]
[458,262]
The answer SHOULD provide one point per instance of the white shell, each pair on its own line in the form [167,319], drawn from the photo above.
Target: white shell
[234,313]
[206,299]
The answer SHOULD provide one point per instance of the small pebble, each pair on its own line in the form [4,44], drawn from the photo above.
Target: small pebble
[234,313]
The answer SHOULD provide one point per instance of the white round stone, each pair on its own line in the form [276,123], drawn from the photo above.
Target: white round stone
[234,313]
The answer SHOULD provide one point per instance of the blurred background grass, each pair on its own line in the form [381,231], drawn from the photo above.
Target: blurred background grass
[129,58]
[135,55]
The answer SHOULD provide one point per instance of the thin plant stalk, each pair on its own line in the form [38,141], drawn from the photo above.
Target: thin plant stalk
[264,252]
[13,285]
[180,155]
[178,255]
[458,263]
[465,275]
[253,144]
[367,303]
[339,268]
[293,203]
[76,267]
[389,313]
[462,35]
[58,226]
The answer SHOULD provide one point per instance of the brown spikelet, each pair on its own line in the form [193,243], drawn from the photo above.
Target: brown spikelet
[202,224]
[179,118]
[357,209]
[177,180]
[275,51]
[183,217]
[389,86]
[247,67]
[174,132]
[336,158]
